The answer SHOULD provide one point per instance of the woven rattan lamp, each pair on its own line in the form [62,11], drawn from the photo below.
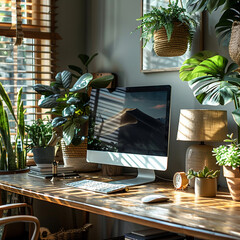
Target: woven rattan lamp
[202,126]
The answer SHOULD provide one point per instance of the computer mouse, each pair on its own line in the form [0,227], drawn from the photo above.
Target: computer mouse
[154,198]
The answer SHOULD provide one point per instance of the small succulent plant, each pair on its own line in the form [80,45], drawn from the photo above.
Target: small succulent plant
[205,173]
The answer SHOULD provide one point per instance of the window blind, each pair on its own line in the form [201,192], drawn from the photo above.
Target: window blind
[27,50]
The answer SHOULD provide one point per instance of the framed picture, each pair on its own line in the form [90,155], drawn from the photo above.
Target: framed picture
[150,62]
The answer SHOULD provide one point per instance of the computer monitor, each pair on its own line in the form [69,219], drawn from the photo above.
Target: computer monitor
[129,127]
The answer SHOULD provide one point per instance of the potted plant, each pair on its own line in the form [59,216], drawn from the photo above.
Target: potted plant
[71,108]
[172,29]
[228,157]
[230,13]
[12,151]
[39,136]
[205,182]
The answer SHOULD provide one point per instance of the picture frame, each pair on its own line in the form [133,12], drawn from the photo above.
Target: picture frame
[150,62]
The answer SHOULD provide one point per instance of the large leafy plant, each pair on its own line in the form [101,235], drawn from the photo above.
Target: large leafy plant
[230,13]
[213,81]
[12,158]
[165,17]
[70,104]
[228,155]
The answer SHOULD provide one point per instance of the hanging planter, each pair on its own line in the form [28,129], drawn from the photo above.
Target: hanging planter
[172,29]
[178,43]
[234,45]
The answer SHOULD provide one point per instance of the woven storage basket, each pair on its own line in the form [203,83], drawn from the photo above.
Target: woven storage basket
[234,45]
[177,45]
[75,156]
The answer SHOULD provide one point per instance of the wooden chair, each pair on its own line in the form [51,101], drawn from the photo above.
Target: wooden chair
[20,219]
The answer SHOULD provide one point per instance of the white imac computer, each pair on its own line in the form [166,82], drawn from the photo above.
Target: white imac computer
[129,127]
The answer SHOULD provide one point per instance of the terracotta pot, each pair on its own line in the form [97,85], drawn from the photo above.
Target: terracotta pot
[205,187]
[233,181]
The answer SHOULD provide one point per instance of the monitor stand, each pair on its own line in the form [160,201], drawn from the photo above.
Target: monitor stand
[144,176]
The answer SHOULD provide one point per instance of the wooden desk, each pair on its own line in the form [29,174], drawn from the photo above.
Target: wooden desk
[207,218]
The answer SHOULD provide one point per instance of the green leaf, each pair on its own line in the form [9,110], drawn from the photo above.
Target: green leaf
[48,102]
[84,58]
[76,69]
[82,82]
[66,77]
[101,82]
[44,89]
[236,116]
[69,111]
[68,132]
[90,59]
[7,101]
[58,121]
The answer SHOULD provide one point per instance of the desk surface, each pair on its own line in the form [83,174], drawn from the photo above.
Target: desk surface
[207,218]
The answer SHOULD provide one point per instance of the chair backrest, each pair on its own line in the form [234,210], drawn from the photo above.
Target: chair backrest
[21,218]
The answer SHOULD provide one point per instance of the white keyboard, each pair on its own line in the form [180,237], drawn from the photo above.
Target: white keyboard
[101,187]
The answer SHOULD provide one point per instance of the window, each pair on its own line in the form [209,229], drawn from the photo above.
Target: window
[34,60]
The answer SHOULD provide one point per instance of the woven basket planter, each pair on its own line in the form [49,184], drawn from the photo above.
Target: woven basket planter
[234,45]
[177,45]
[75,156]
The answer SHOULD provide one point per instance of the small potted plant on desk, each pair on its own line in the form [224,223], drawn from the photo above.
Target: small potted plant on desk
[39,136]
[205,182]
[172,28]
[228,157]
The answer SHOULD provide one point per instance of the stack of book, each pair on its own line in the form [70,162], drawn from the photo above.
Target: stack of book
[46,172]
[152,234]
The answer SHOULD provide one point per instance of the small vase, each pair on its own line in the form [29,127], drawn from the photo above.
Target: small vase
[233,181]
[205,187]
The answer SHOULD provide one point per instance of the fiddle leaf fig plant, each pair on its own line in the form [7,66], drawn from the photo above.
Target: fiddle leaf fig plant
[70,104]
[213,81]
[205,173]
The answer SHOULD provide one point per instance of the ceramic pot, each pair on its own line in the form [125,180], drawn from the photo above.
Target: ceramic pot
[205,187]
[233,181]
[43,156]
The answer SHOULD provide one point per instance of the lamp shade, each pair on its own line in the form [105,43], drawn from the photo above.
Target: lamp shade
[202,125]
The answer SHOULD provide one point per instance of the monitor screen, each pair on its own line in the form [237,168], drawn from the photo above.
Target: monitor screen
[129,126]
